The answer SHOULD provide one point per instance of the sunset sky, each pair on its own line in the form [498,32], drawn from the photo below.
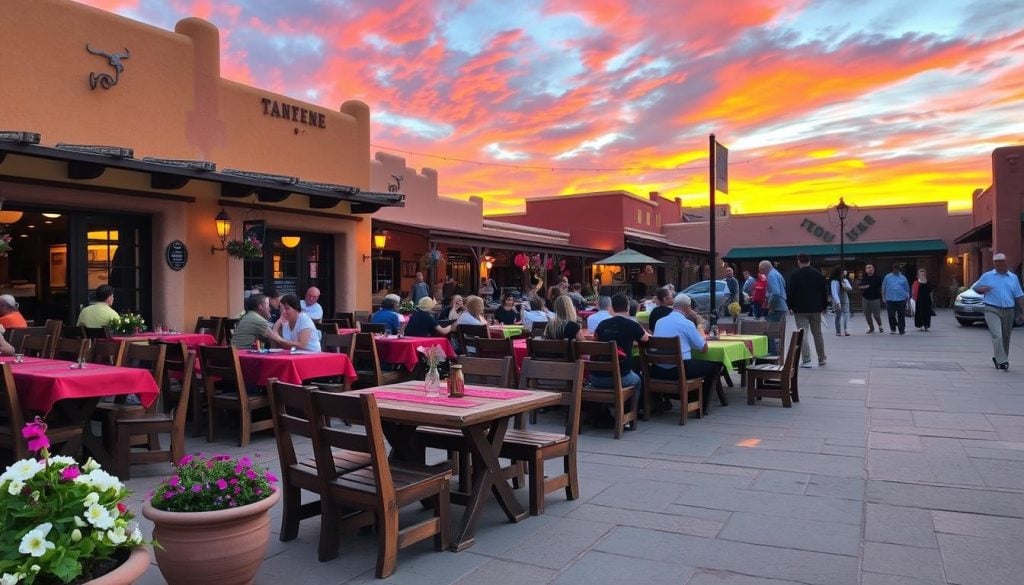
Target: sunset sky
[878,101]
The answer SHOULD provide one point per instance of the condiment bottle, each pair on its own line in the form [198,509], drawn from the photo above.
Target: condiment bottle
[456,383]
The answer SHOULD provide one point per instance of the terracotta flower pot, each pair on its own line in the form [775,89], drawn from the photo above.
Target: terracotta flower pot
[224,546]
[128,572]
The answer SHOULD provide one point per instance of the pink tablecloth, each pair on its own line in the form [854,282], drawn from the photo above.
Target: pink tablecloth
[585,313]
[293,368]
[394,350]
[41,383]
[192,340]
[519,352]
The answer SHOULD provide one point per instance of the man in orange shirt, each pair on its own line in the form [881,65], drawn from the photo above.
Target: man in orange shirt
[10,317]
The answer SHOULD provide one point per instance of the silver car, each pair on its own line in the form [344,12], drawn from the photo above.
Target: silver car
[969,308]
[700,294]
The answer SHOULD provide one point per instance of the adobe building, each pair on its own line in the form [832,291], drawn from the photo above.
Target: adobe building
[997,214]
[914,236]
[120,145]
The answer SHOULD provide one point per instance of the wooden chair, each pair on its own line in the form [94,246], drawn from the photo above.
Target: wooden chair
[361,316]
[71,350]
[289,405]
[98,332]
[36,345]
[12,420]
[602,357]
[345,320]
[107,352]
[337,343]
[464,332]
[733,328]
[557,350]
[367,363]
[227,330]
[657,351]
[212,325]
[367,327]
[53,328]
[17,335]
[537,329]
[110,414]
[535,447]
[76,332]
[776,332]
[327,328]
[175,373]
[482,347]
[775,381]
[153,424]
[380,490]
[220,365]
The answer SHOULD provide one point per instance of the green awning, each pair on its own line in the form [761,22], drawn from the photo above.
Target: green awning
[850,249]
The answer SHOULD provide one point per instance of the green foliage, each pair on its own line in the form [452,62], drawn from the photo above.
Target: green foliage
[202,484]
[127,324]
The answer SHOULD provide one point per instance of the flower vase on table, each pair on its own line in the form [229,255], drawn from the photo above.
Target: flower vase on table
[433,355]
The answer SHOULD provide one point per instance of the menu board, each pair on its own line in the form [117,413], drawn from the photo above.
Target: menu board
[285,286]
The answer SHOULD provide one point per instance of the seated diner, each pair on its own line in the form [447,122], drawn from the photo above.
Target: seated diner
[388,314]
[422,322]
[295,327]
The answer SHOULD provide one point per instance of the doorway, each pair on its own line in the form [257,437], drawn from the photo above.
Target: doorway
[291,263]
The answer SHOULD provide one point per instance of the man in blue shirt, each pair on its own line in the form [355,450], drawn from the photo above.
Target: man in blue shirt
[387,314]
[896,293]
[676,324]
[1002,290]
[419,289]
[776,308]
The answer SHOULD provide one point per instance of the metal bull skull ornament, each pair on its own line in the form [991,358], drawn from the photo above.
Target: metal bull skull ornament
[105,80]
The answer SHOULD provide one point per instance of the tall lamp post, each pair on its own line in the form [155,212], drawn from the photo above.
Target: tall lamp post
[843,210]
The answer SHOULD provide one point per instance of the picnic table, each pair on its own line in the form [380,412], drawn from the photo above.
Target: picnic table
[482,416]
[293,367]
[402,350]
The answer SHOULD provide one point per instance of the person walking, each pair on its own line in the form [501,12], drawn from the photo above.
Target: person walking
[775,307]
[748,289]
[923,293]
[807,296]
[1001,290]
[733,287]
[840,288]
[896,292]
[420,288]
[871,294]
[759,296]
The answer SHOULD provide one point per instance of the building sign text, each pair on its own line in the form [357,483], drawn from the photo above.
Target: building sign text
[827,236]
[276,109]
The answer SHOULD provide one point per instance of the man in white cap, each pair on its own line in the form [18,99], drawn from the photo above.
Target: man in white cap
[679,324]
[1001,290]
[10,316]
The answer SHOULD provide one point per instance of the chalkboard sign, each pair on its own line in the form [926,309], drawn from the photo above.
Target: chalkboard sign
[176,255]
[285,286]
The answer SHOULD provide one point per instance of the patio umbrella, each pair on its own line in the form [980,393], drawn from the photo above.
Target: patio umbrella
[628,256]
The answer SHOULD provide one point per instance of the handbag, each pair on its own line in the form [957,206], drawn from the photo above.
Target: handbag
[908,309]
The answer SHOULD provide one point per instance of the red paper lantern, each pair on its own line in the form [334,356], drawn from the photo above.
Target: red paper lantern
[520,260]
[550,264]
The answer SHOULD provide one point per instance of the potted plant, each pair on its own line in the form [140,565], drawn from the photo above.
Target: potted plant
[406,307]
[212,520]
[127,324]
[61,522]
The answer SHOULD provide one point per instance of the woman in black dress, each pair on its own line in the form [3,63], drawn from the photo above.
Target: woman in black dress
[923,294]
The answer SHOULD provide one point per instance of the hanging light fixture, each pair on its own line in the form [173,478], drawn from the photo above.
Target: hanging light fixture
[380,239]
[223,222]
[9,217]
[290,241]
[51,215]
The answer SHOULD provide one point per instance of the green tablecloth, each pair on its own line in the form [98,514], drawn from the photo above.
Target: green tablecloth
[643,316]
[733,348]
[508,330]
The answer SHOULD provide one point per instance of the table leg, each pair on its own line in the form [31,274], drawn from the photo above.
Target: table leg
[79,412]
[487,479]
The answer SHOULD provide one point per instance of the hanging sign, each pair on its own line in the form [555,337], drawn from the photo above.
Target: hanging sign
[176,255]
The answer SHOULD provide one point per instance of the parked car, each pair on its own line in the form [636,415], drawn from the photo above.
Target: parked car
[700,294]
[969,308]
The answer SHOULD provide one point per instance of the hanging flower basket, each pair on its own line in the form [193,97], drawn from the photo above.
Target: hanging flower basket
[250,248]
[5,241]
[431,259]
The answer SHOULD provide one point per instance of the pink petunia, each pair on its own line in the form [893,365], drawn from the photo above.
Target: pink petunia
[197,488]
[271,477]
[250,474]
[185,460]
[35,435]
[174,481]
[233,481]
[121,508]
[221,484]
[168,495]
[70,472]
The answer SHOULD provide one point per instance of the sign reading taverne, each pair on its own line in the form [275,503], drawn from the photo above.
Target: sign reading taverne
[276,109]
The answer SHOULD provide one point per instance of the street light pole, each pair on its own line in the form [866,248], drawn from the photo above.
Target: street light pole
[843,210]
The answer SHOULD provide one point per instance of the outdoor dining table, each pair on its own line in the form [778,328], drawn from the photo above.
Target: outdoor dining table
[58,391]
[192,340]
[402,350]
[293,367]
[482,416]
[504,331]
[729,349]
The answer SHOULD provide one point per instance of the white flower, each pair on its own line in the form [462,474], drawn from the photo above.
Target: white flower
[14,488]
[23,470]
[99,479]
[136,537]
[11,578]
[34,543]
[79,522]
[90,499]
[34,568]
[99,517]
[62,460]
[117,535]
[76,535]
[90,465]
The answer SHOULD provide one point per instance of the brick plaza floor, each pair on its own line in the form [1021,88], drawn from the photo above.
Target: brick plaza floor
[903,464]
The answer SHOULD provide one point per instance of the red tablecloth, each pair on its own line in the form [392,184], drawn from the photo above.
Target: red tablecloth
[293,368]
[192,340]
[585,313]
[342,331]
[41,383]
[394,350]
[519,352]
